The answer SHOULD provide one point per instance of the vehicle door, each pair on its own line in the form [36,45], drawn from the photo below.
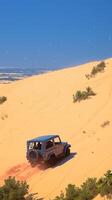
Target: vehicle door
[49,148]
[58,146]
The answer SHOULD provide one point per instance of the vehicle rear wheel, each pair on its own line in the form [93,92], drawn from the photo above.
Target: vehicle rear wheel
[52,160]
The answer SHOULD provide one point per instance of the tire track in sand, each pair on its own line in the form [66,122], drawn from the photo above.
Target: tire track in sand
[21,172]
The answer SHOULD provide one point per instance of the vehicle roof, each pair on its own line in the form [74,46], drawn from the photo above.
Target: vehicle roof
[43,138]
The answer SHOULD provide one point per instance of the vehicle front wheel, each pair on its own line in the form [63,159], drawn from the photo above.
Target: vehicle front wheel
[67,153]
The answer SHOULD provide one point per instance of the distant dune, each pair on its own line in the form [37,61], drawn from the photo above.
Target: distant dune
[43,104]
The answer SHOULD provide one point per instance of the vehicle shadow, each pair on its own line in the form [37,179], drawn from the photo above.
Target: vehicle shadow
[59,162]
[62,160]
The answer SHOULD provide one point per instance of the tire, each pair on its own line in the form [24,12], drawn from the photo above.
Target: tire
[33,163]
[52,160]
[33,157]
[67,153]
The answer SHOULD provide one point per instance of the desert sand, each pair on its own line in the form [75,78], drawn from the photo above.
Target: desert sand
[43,104]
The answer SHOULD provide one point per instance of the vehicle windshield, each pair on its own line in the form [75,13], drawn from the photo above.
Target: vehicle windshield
[35,145]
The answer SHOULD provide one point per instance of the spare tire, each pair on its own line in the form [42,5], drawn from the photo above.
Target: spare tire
[33,155]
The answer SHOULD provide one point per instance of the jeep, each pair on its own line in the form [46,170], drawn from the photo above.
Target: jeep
[46,149]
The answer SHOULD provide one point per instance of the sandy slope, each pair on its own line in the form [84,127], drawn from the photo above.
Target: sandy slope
[43,104]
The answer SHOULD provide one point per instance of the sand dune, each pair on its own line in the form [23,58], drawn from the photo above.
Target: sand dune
[43,104]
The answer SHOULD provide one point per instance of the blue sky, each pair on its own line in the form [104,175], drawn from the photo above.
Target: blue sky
[48,33]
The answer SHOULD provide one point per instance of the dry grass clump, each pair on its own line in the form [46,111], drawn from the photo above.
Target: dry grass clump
[3,99]
[105,123]
[83,95]
[98,68]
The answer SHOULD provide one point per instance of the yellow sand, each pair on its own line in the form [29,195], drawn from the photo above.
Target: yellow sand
[43,104]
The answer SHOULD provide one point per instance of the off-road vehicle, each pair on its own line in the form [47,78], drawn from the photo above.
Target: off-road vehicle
[46,149]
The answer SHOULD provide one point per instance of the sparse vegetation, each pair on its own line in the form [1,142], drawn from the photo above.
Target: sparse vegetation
[89,189]
[105,123]
[4,116]
[105,185]
[72,192]
[19,190]
[3,99]
[83,95]
[15,190]
[99,68]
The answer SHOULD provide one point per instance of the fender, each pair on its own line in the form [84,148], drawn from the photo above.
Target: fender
[66,146]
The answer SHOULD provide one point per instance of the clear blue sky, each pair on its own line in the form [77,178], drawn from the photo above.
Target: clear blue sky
[42,33]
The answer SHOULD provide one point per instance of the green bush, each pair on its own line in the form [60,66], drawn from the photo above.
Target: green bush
[15,190]
[105,184]
[3,99]
[72,192]
[90,92]
[77,96]
[89,189]
[99,68]
[83,95]
[19,190]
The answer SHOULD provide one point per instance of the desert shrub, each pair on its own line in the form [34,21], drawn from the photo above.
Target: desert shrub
[60,197]
[3,99]
[105,184]
[89,189]
[72,192]
[15,190]
[105,123]
[83,95]
[88,76]
[90,91]
[94,71]
[77,96]
[99,68]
